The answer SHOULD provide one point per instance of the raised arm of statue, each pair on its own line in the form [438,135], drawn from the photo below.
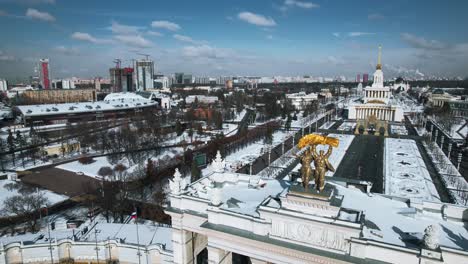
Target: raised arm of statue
[329,151]
[313,151]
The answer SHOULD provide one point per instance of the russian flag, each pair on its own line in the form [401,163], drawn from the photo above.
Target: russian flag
[134,215]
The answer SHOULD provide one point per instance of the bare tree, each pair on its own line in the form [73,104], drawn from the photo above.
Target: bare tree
[26,205]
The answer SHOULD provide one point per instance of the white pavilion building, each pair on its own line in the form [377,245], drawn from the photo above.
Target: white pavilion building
[377,101]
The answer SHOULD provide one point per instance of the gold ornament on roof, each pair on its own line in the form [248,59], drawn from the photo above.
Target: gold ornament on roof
[375,101]
[321,162]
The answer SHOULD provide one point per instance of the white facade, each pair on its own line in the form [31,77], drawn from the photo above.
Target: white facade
[144,71]
[377,101]
[3,85]
[271,221]
[301,100]
[201,99]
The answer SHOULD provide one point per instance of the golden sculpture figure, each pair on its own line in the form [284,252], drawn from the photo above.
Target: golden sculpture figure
[306,169]
[321,163]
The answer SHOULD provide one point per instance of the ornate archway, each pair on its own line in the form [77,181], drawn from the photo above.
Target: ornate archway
[372,121]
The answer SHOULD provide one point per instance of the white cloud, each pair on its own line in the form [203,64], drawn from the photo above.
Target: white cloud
[301,4]
[36,14]
[85,37]
[165,25]
[121,29]
[336,34]
[134,41]
[269,36]
[256,19]
[6,57]
[187,39]
[66,51]
[422,43]
[359,34]
[206,51]
[154,33]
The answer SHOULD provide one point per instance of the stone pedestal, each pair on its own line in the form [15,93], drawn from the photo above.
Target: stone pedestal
[311,201]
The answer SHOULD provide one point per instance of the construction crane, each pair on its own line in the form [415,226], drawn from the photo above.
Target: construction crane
[146,55]
[117,63]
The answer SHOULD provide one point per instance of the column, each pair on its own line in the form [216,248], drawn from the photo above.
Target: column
[182,246]
[219,256]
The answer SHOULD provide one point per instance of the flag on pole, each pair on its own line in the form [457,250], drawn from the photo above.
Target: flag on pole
[134,215]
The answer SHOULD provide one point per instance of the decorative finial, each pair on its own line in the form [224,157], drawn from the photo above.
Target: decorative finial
[431,237]
[379,60]
[218,163]
[177,184]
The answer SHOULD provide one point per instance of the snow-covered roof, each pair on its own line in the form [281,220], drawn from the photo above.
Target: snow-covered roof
[393,221]
[240,193]
[127,234]
[114,102]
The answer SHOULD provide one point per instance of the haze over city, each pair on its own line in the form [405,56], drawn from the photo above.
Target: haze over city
[290,37]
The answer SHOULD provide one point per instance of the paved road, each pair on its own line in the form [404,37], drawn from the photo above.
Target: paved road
[364,161]
[61,181]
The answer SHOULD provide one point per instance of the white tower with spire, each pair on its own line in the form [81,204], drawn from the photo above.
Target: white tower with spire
[377,100]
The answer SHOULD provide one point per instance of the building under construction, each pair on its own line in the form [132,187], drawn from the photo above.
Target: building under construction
[121,79]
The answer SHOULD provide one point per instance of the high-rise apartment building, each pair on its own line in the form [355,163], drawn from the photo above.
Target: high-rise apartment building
[365,78]
[44,73]
[144,71]
[358,78]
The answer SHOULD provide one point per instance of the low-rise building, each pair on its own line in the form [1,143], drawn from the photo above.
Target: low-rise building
[301,100]
[203,99]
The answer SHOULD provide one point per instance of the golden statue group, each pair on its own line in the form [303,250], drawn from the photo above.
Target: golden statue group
[321,163]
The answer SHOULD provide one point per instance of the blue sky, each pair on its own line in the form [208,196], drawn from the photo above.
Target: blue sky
[242,37]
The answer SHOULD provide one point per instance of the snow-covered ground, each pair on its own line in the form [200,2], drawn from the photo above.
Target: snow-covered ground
[347,126]
[91,169]
[248,154]
[5,193]
[327,125]
[406,174]
[239,116]
[454,181]
[399,129]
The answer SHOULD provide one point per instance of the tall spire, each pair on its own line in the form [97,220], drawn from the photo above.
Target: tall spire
[379,61]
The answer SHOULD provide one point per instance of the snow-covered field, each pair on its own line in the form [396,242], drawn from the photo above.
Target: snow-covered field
[91,169]
[406,174]
[327,125]
[399,129]
[248,154]
[9,192]
[347,126]
[454,181]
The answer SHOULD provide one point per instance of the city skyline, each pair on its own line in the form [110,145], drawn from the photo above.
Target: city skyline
[287,37]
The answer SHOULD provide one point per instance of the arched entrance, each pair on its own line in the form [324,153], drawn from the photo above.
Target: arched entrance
[372,123]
